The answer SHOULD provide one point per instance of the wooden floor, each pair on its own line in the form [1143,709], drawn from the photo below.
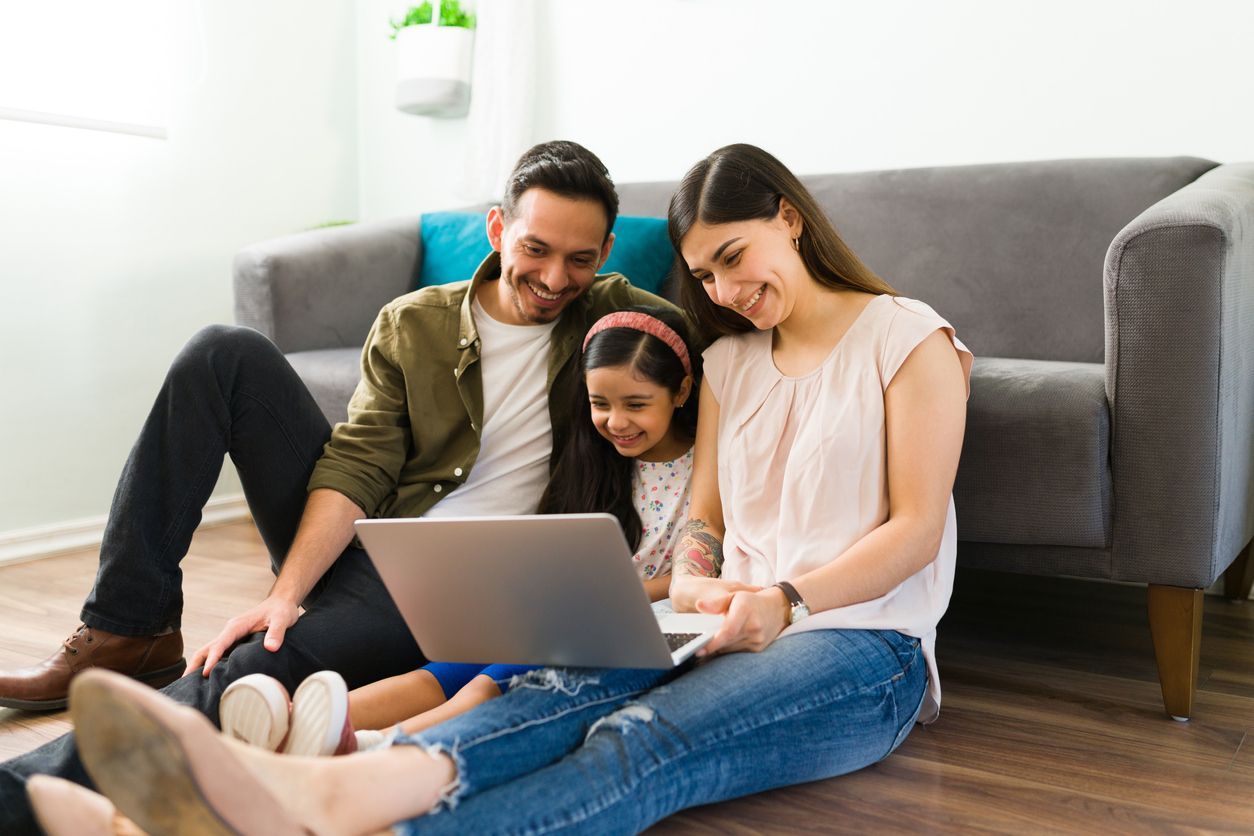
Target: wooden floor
[1052,718]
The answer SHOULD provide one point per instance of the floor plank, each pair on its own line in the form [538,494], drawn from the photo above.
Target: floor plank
[1052,718]
[225,570]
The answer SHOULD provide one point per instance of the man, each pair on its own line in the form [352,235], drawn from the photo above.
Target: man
[458,410]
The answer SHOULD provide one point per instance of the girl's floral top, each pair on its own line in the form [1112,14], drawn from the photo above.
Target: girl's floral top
[661,491]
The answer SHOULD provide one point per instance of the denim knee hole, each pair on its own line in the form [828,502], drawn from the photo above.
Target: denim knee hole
[622,719]
[551,679]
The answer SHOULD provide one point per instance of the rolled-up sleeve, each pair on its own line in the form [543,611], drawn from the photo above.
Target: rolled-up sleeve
[364,457]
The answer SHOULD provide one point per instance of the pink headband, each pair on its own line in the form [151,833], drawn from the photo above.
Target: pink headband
[650,325]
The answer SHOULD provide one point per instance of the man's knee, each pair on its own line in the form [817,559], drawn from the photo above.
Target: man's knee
[252,657]
[217,345]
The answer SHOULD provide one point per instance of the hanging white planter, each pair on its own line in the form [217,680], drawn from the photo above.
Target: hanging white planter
[433,70]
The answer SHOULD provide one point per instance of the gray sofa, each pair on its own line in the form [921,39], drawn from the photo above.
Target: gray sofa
[1110,306]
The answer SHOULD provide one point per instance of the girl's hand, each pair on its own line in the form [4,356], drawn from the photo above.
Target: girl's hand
[751,619]
[687,590]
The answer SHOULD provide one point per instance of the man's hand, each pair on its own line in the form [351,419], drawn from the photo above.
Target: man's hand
[274,615]
[687,590]
[751,619]
[326,527]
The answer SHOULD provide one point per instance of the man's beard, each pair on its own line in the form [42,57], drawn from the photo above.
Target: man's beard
[539,317]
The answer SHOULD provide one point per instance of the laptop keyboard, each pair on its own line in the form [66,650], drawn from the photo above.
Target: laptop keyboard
[674,641]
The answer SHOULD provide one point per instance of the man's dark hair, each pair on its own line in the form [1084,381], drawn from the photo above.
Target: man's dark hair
[564,168]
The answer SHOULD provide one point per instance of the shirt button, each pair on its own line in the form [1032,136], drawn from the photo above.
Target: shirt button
[462,341]
[457,471]
[438,488]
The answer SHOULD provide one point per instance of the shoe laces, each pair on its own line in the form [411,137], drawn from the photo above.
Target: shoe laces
[71,644]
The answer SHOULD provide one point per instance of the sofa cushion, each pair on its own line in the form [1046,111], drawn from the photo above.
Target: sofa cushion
[1035,463]
[331,375]
[642,252]
[454,243]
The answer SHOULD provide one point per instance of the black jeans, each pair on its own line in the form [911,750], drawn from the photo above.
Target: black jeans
[231,392]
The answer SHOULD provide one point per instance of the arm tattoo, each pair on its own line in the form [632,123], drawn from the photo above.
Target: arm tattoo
[699,551]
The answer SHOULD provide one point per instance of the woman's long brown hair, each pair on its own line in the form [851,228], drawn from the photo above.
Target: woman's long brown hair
[741,183]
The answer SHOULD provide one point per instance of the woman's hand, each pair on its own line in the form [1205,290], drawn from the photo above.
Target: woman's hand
[752,619]
[687,590]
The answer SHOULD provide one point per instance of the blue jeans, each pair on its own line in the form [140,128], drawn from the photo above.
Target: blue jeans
[614,751]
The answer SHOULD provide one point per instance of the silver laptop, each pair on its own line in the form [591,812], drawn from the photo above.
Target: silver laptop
[529,590]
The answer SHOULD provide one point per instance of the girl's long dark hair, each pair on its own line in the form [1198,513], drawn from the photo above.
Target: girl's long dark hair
[742,183]
[590,475]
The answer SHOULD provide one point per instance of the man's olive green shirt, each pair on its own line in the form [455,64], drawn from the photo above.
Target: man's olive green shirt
[415,419]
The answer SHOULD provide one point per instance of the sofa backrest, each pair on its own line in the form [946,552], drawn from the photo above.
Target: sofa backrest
[1010,253]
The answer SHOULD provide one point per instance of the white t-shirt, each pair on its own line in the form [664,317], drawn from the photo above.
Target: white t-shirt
[516,440]
[661,491]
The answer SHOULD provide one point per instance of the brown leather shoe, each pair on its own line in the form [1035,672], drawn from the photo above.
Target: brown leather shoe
[155,660]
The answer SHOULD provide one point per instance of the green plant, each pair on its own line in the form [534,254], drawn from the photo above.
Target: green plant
[451,14]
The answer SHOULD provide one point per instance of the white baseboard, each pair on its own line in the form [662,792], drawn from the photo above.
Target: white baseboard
[86,533]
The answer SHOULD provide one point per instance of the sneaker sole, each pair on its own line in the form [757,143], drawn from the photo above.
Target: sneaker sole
[254,709]
[155,679]
[319,709]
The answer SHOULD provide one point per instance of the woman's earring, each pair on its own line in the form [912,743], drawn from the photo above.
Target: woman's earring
[796,243]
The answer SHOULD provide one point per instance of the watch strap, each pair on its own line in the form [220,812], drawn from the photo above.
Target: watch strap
[790,592]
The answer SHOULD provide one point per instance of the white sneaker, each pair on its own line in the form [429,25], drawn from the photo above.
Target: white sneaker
[255,709]
[319,722]
[369,740]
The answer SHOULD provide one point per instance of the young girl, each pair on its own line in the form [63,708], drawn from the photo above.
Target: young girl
[633,460]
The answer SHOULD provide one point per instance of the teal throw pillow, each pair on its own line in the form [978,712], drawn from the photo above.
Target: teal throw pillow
[453,246]
[642,252]
[455,243]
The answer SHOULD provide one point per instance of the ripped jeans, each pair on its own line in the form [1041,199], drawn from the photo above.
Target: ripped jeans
[614,751]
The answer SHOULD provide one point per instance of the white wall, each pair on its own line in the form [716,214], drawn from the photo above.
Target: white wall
[406,164]
[654,85]
[115,249]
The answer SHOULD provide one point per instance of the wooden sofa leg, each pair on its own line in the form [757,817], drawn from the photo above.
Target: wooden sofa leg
[1175,616]
[1239,578]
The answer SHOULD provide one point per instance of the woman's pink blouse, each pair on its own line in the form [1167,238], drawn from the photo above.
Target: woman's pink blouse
[803,471]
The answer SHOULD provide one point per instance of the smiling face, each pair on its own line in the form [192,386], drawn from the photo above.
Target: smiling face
[634,413]
[551,248]
[750,267]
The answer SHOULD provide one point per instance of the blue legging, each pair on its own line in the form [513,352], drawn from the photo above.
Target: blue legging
[453,676]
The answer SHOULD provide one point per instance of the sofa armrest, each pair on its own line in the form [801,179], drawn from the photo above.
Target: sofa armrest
[323,288]
[1179,304]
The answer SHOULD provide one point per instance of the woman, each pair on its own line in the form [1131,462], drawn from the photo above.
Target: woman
[821,525]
